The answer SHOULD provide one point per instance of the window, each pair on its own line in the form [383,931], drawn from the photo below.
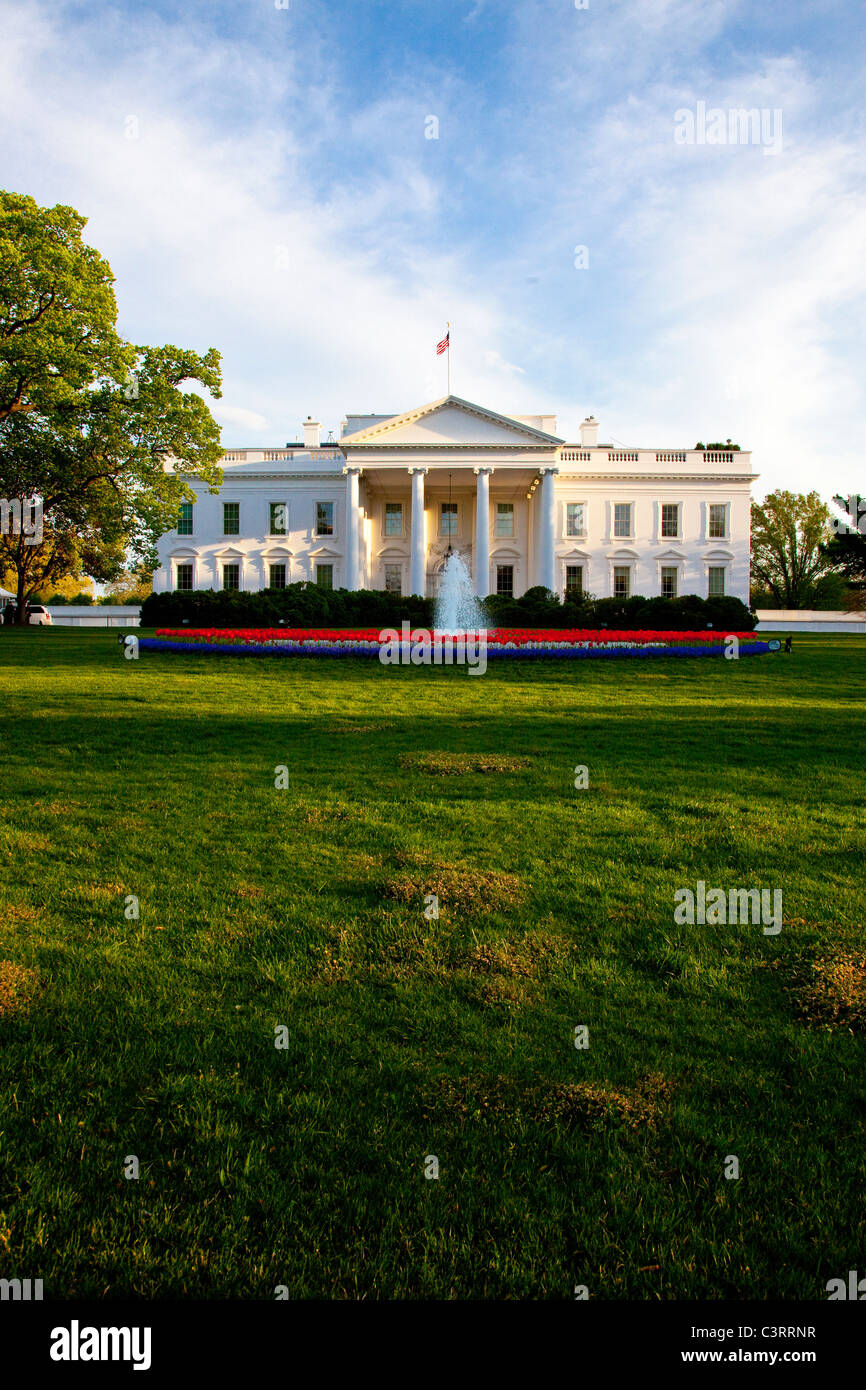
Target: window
[669,581]
[448,519]
[716,575]
[504,525]
[718,520]
[184,578]
[324,518]
[393,518]
[231,518]
[278,576]
[279,523]
[622,518]
[184,521]
[621,581]
[231,576]
[393,579]
[325,573]
[670,520]
[574,581]
[574,519]
[505,580]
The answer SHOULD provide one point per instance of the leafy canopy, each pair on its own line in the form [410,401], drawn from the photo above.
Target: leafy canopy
[788,531]
[99,429]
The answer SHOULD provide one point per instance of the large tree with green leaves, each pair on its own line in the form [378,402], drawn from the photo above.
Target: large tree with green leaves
[100,431]
[788,532]
[57,308]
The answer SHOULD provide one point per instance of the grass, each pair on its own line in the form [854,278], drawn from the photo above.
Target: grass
[404,1035]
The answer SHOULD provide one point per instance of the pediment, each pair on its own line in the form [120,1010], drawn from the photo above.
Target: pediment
[450,422]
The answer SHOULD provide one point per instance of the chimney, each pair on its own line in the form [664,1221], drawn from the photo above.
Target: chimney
[589,433]
[312,430]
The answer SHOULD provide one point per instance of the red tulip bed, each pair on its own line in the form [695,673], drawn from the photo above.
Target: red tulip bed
[507,642]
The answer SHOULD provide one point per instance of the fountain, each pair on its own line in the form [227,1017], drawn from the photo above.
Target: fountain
[457,608]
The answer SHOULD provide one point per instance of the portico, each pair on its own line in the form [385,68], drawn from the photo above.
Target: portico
[471,477]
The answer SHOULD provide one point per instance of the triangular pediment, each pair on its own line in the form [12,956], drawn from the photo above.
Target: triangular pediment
[450,422]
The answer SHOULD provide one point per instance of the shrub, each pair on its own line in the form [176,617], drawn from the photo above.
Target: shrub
[306,605]
[298,605]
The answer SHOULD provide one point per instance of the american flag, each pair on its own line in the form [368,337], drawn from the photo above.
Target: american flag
[444,345]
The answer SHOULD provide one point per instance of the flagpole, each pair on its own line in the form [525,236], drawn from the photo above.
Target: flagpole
[449,358]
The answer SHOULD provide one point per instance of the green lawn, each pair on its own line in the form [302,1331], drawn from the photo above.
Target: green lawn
[304,1165]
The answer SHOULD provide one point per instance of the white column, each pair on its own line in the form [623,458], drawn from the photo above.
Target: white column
[547,567]
[482,532]
[535,506]
[353,539]
[418,549]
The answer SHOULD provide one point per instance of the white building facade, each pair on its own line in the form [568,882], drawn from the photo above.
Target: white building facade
[381,507]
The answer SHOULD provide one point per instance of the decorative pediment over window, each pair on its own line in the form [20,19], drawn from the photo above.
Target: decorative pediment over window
[450,423]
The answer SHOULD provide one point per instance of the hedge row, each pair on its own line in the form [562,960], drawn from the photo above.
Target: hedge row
[306,605]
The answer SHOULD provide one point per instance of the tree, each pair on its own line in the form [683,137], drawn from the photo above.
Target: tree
[130,587]
[788,531]
[109,458]
[57,308]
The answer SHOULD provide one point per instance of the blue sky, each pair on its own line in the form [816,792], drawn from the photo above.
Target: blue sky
[260,180]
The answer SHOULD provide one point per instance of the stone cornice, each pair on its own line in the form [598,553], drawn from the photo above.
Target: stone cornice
[286,475]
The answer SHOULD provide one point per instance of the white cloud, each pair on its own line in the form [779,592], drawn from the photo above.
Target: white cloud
[724,288]
[236,415]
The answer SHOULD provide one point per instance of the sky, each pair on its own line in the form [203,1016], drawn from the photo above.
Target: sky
[316,188]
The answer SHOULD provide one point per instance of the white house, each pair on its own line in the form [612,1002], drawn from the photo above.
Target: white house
[380,507]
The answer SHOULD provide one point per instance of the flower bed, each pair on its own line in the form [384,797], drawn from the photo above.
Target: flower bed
[513,643]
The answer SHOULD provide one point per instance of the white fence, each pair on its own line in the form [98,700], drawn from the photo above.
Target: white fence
[808,620]
[99,615]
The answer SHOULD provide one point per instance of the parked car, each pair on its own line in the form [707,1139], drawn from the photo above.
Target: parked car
[38,616]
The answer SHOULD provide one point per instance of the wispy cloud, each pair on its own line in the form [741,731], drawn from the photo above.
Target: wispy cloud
[255,193]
